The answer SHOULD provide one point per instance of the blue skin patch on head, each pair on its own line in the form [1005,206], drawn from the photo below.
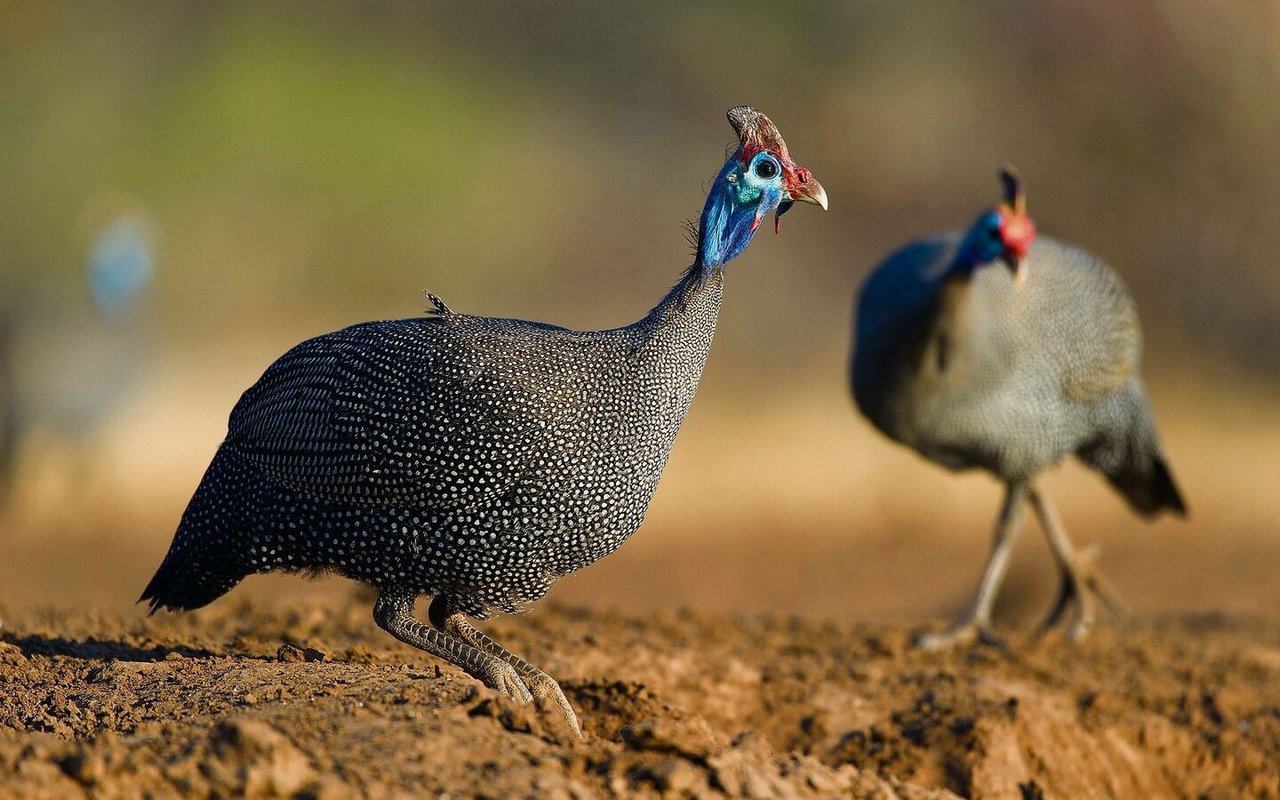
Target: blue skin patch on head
[740,198]
[982,244]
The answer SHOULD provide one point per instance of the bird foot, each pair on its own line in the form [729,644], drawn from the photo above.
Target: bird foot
[502,677]
[1081,585]
[531,687]
[964,632]
[550,698]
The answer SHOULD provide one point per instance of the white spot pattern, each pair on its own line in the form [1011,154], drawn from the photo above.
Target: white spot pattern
[452,455]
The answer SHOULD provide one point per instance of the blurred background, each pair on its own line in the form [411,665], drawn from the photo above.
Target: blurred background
[191,188]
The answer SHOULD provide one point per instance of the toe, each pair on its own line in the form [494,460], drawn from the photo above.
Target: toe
[954,636]
[548,695]
[1080,629]
[502,677]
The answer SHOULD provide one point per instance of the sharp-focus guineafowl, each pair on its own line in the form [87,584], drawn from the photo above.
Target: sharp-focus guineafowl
[472,459]
[995,350]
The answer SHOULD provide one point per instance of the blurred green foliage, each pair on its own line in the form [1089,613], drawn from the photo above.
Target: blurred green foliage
[313,165]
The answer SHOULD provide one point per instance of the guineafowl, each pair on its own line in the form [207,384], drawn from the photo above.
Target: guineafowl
[67,370]
[472,459]
[996,350]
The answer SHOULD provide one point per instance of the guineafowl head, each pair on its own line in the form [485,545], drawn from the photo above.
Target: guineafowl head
[758,178]
[1004,233]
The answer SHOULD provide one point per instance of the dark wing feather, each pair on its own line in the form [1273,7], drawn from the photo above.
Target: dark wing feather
[437,414]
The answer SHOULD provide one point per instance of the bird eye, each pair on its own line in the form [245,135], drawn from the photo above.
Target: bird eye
[766,168]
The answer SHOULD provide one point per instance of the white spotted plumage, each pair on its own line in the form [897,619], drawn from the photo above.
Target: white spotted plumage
[476,460]
[452,454]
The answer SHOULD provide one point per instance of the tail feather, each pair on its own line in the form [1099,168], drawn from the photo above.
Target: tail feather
[1151,490]
[1126,449]
[188,580]
[1165,491]
[1139,474]
[203,562]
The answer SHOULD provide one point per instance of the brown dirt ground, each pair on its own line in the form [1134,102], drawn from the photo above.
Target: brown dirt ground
[261,699]
[773,517]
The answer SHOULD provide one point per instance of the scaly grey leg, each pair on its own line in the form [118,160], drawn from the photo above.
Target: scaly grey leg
[444,615]
[393,611]
[1080,580]
[976,622]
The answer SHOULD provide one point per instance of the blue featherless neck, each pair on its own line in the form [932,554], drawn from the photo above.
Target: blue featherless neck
[981,244]
[730,217]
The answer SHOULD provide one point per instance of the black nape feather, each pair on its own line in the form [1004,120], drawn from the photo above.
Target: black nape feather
[692,235]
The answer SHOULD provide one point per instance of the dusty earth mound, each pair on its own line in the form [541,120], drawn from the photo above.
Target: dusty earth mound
[245,700]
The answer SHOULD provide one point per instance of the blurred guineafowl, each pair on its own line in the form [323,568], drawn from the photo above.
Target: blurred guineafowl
[472,459]
[66,373]
[986,350]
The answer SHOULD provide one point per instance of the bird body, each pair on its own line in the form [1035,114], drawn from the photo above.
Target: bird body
[975,365]
[454,453]
[473,459]
[988,370]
